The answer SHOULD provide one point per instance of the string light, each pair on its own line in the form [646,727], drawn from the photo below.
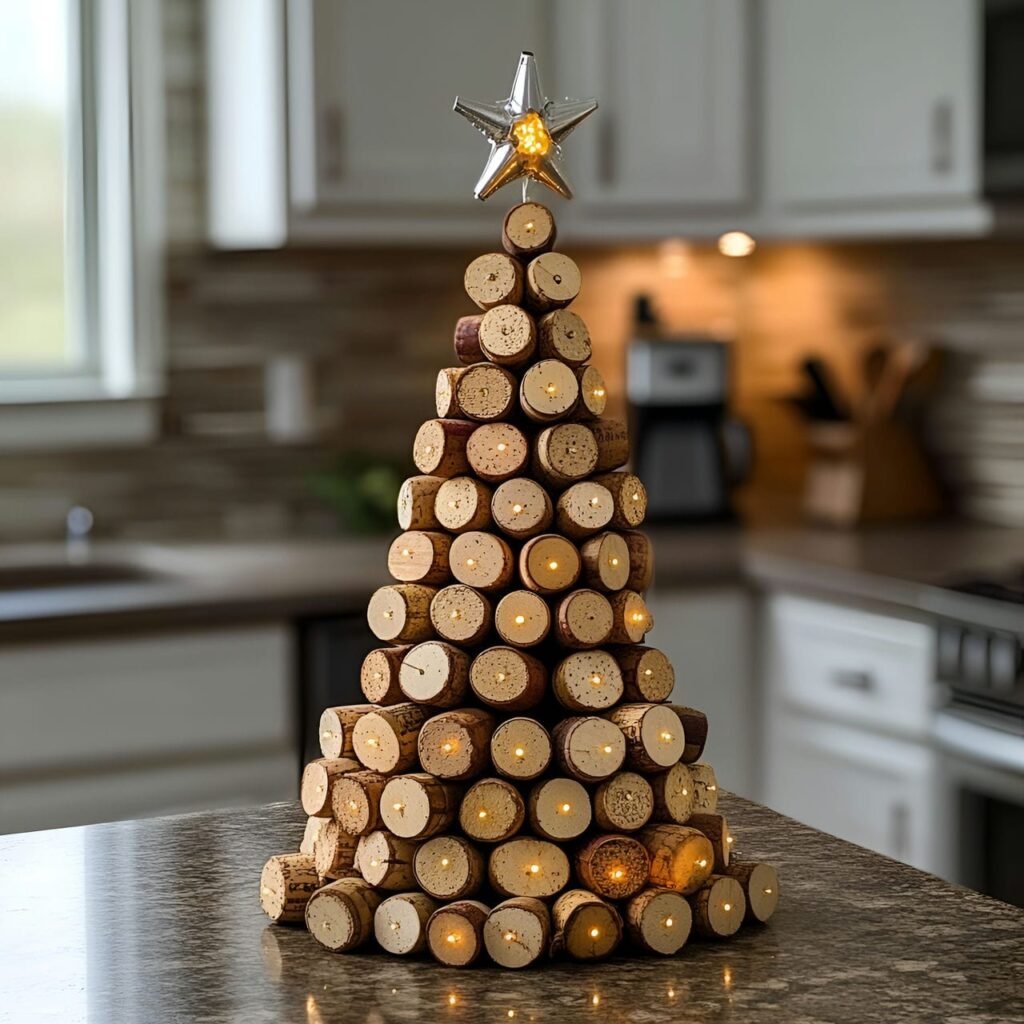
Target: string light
[551,389]
[452,937]
[516,509]
[727,906]
[566,808]
[502,446]
[666,737]
[326,734]
[668,922]
[702,863]
[613,561]
[531,135]
[353,806]
[482,813]
[519,752]
[594,932]
[607,749]
[636,495]
[552,565]
[374,863]
[595,502]
[471,562]
[445,862]
[372,741]
[595,680]
[599,392]
[510,936]
[406,553]
[728,839]
[500,677]
[520,619]
[389,614]
[456,614]
[530,228]
[595,999]
[618,873]
[397,807]
[452,998]
[447,747]
[768,892]
[534,869]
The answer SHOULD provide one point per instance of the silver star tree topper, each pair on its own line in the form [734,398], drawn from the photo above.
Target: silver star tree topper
[525,132]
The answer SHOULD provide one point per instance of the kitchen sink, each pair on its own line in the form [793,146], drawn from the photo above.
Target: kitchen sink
[52,575]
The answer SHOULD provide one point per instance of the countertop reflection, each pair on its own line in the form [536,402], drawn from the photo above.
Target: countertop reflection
[159,921]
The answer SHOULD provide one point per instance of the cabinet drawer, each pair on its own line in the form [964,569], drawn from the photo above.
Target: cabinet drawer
[167,694]
[852,665]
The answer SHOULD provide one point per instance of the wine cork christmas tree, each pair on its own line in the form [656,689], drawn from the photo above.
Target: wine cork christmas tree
[517,783]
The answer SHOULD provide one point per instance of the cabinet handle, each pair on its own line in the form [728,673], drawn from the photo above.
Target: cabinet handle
[899,831]
[942,136]
[606,152]
[855,679]
[333,142]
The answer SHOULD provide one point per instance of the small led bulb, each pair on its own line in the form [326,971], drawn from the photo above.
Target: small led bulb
[552,565]
[595,502]
[595,932]
[502,446]
[456,614]
[516,509]
[534,869]
[397,807]
[669,922]
[471,562]
[566,808]
[519,752]
[520,619]
[482,813]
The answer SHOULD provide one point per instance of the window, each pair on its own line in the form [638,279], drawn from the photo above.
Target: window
[80,200]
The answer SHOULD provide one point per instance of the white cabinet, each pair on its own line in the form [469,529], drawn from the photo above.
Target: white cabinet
[133,726]
[871,106]
[671,77]
[707,634]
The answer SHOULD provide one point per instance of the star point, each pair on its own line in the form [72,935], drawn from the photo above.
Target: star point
[525,132]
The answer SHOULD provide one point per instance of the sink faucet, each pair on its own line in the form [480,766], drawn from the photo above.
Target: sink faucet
[78,527]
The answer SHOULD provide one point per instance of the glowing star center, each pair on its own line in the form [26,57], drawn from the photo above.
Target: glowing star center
[531,135]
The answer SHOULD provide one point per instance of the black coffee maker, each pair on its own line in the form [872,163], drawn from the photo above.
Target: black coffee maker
[686,448]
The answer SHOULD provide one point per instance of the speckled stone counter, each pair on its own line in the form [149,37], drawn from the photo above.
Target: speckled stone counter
[159,921]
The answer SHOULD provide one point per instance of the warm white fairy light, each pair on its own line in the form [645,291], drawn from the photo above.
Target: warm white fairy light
[668,922]
[617,874]
[607,748]
[595,502]
[728,839]
[456,614]
[452,937]
[534,869]
[501,446]
[516,509]
[599,392]
[768,891]
[613,561]
[552,565]
[520,619]
[448,747]
[471,562]
[551,389]
[594,932]
[666,737]
[727,906]
[374,863]
[372,741]
[397,806]
[595,999]
[482,813]
[326,734]
[702,863]
[389,614]
[406,553]
[509,936]
[635,495]
[519,752]
[566,808]
[711,789]
[595,680]
[353,806]
[445,862]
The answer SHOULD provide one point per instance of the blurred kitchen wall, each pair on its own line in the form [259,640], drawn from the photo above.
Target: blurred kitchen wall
[338,314]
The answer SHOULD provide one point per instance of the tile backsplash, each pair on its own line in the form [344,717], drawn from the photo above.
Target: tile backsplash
[374,326]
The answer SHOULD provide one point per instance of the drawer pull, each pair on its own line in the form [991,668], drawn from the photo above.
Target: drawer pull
[855,679]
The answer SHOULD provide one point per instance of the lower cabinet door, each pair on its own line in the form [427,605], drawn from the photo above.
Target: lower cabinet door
[870,790]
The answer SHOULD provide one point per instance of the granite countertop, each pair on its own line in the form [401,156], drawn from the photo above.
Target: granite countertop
[200,582]
[159,921]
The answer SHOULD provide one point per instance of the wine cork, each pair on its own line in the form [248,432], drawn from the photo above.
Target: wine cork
[482,560]
[439,448]
[334,853]
[340,915]
[563,335]
[497,451]
[355,801]
[448,867]
[521,508]
[400,922]
[719,907]
[673,795]
[461,614]
[548,391]
[549,563]
[529,230]
[463,503]
[494,279]
[418,806]
[587,681]
[416,503]
[467,340]
[631,618]
[508,335]
[521,749]
[522,619]
[605,562]
[455,933]
[378,676]
[681,857]
[435,673]
[400,613]
[696,725]
[492,811]
[528,867]
[385,861]
[385,739]
[615,867]
[586,928]
[584,509]
[630,499]
[552,281]
[336,725]
[445,402]
[715,827]
[419,556]
[565,453]
[653,732]
[456,744]
[589,748]
[659,921]
[287,881]
[317,779]
[705,788]
[612,439]
[517,932]
[593,393]
[623,803]
[641,561]
[760,884]
[584,619]
[509,679]
[314,826]
[648,676]
[485,392]
[559,809]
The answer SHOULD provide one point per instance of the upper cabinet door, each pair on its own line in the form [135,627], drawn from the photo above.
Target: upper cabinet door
[671,77]
[383,78]
[855,116]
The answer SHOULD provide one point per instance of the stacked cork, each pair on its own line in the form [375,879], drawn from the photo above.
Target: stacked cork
[519,783]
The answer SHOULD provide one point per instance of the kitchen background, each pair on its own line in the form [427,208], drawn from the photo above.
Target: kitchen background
[302,211]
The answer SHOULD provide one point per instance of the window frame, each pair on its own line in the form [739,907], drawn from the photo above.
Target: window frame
[114,280]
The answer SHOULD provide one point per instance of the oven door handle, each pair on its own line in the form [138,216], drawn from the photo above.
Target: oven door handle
[979,743]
